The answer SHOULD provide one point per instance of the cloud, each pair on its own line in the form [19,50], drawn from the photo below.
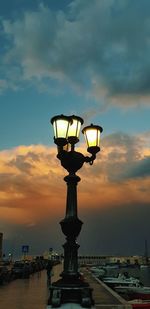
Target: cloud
[141,169]
[100,48]
[112,193]
[26,183]
[33,172]
[120,153]
[118,231]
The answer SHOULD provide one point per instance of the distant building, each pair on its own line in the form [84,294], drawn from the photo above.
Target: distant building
[93,259]
[104,260]
[51,255]
[1,246]
[129,260]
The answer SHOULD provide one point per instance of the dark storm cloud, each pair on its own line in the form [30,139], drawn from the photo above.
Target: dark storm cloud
[102,47]
[104,232]
[139,169]
[120,155]
[131,144]
[133,165]
[116,230]
[40,237]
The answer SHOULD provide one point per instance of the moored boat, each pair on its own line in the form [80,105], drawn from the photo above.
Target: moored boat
[98,271]
[144,266]
[135,290]
[139,304]
[120,280]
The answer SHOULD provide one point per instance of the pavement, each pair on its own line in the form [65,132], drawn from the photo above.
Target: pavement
[104,297]
[33,293]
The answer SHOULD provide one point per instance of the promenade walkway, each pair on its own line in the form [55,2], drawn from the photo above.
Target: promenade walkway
[29,293]
[33,293]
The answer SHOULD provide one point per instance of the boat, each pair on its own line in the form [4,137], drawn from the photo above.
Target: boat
[98,271]
[111,266]
[139,304]
[134,290]
[121,280]
[144,266]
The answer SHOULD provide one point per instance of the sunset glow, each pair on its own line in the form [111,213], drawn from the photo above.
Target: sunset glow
[88,59]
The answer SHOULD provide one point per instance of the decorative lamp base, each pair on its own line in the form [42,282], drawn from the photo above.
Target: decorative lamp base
[66,292]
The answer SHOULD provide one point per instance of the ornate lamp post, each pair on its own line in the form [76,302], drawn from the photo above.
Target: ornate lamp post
[70,288]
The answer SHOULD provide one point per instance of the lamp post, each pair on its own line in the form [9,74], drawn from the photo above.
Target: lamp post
[70,288]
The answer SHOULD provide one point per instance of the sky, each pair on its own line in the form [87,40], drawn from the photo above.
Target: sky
[91,59]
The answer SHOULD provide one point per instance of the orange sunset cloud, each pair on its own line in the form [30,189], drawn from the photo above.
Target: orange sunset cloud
[32,186]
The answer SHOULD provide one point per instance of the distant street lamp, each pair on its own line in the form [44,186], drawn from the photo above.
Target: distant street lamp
[71,288]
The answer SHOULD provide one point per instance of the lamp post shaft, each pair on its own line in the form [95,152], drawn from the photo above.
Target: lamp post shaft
[71,227]
[71,203]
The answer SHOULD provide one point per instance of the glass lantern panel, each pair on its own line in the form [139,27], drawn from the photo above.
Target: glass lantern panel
[98,138]
[60,128]
[93,137]
[74,128]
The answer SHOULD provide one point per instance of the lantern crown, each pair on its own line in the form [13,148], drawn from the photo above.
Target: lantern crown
[67,130]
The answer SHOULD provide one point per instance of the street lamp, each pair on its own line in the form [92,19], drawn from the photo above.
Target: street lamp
[70,288]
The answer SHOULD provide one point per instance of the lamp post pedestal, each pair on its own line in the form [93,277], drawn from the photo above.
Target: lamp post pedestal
[71,288]
[60,294]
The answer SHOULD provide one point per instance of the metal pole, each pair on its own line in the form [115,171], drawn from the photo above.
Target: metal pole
[71,227]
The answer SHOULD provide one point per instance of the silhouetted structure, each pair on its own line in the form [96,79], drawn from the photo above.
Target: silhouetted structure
[1,246]
[72,288]
[146,252]
[49,268]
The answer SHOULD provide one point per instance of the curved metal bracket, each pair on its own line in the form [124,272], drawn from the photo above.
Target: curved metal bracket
[72,161]
[91,159]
